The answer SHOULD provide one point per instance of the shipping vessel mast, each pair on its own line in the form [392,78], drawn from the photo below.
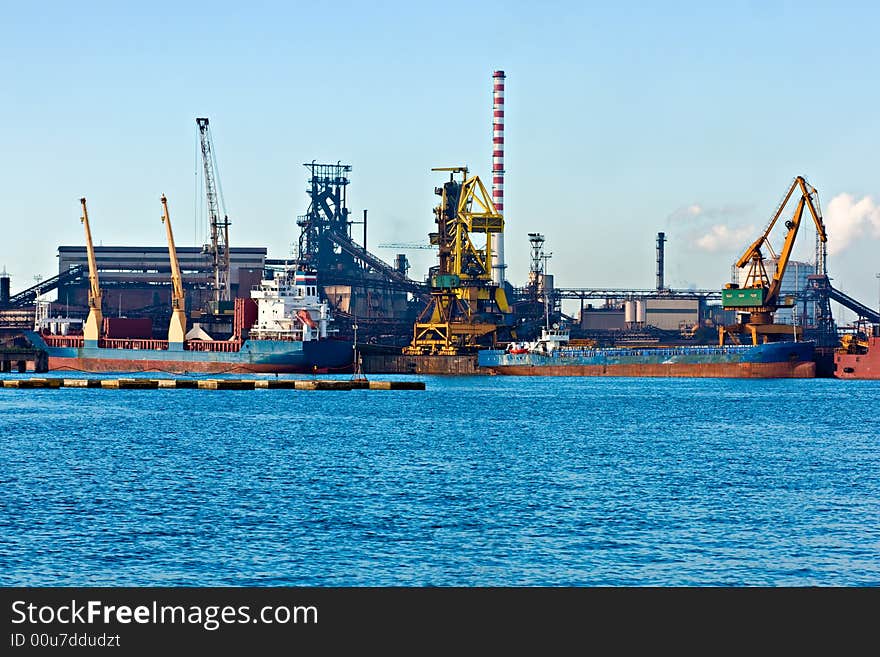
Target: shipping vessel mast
[92,328]
[219,246]
[177,326]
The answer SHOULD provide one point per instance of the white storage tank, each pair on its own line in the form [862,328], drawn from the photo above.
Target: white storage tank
[641,312]
[629,312]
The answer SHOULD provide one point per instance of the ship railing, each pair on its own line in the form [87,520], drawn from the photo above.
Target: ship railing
[284,336]
[671,351]
[75,341]
[133,344]
[227,346]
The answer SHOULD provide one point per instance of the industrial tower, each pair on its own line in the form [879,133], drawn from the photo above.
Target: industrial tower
[327,213]
[358,285]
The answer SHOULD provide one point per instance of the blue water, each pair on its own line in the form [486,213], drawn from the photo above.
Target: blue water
[475,481]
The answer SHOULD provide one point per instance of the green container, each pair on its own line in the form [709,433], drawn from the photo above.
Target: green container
[221,307]
[750,297]
[446,281]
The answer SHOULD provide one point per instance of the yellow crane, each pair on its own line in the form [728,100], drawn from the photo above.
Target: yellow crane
[759,295]
[92,328]
[466,309]
[177,327]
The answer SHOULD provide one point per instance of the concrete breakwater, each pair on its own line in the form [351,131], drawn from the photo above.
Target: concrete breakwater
[212,384]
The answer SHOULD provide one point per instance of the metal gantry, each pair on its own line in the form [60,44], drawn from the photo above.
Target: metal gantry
[328,212]
[466,308]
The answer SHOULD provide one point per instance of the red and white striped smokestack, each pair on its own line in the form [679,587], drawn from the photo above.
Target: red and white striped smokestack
[498,172]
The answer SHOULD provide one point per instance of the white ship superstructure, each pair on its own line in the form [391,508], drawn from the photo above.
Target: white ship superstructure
[289,308]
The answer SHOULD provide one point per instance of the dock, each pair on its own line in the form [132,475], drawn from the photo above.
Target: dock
[23,360]
[211,384]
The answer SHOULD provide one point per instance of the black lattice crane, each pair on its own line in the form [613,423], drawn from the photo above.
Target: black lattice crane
[219,246]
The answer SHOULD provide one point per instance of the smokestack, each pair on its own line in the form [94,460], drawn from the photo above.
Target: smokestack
[4,289]
[498,172]
[661,237]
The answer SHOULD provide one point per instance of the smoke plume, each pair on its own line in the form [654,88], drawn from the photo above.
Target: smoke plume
[847,220]
[721,237]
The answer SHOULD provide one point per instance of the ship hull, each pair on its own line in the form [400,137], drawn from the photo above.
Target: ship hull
[767,361]
[253,356]
[859,366]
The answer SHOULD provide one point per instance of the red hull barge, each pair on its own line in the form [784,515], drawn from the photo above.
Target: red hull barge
[107,365]
[859,365]
[720,370]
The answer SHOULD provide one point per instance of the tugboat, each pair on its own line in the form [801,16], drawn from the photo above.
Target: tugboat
[858,356]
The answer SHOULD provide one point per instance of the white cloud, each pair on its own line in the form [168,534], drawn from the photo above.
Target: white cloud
[721,237]
[846,220]
[686,212]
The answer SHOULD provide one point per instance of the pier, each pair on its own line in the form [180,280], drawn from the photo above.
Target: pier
[211,384]
[23,360]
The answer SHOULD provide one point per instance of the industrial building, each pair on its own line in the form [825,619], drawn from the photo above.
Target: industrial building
[137,279]
[676,314]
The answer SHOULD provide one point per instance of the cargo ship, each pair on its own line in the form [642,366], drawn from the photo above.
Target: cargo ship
[282,328]
[552,355]
[858,358]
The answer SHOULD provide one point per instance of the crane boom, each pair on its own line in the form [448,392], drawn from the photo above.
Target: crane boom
[177,327]
[92,328]
[219,247]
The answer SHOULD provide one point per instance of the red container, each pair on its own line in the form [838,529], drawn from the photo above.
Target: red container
[140,328]
[245,315]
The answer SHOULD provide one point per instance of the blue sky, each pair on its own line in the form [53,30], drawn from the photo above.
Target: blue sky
[622,119]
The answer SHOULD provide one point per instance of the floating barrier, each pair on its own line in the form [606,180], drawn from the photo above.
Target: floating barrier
[212,384]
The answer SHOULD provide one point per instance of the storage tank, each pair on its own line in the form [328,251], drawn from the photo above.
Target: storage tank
[641,312]
[629,312]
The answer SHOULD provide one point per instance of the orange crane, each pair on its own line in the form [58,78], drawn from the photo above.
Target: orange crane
[177,327]
[759,295]
[92,328]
